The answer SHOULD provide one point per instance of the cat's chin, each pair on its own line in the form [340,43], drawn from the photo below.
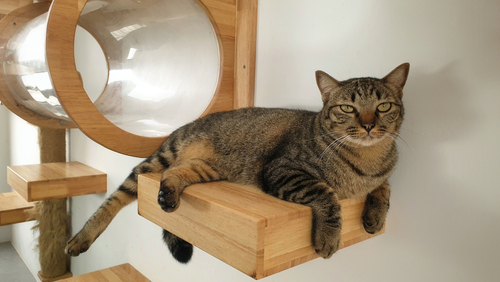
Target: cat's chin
[366,141]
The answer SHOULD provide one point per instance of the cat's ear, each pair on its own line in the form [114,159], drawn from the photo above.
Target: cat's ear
[398,76]
[326,84]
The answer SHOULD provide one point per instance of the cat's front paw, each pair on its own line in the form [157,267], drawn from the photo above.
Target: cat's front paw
[80,243]
[326,242]
[372,224]
[374,215]
[168,197]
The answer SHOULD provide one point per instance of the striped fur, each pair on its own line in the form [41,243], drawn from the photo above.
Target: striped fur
[315,159]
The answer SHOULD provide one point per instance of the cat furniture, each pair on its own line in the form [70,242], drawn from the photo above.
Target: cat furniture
[142,47]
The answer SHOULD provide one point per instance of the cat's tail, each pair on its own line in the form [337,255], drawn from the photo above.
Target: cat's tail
[181,250]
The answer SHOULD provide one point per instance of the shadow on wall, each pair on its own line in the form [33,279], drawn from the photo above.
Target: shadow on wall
[437,117]
[436,105]
[437,209]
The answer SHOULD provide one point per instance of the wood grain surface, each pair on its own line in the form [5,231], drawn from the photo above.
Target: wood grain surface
[120,273]
[55,180]
[12,208]
[254,232]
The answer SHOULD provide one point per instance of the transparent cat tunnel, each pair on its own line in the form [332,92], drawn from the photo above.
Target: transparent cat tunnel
[127,72]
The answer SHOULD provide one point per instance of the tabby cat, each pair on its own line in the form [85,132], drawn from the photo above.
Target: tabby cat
[314,159]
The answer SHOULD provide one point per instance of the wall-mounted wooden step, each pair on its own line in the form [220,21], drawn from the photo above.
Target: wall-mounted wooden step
[55,180]
[120,273]
[12,208]
[53,279]
[254,232]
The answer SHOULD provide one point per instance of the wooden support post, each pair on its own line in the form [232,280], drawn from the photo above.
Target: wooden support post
[53,218]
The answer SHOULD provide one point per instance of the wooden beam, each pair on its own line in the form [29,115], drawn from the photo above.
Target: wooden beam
[246,37]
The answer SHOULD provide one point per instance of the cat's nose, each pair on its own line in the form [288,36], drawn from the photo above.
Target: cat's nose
[368,126]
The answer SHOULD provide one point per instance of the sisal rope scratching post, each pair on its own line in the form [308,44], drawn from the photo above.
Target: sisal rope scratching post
[53,216]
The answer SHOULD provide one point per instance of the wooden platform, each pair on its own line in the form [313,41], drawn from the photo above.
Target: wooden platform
[120,273]
[55,180]
[254,232]
[53,279]
[12,208]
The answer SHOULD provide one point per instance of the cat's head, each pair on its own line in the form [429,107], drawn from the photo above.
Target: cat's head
[363,111]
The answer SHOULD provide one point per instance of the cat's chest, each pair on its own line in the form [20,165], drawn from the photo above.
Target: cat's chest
[352,178]
[355,187]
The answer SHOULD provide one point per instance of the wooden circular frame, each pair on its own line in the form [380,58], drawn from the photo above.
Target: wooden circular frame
[8,26]
[235,25]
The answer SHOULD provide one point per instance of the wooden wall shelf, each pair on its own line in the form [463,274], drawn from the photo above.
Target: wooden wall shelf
[120,273]
[56,180]
[12,208]
[254,232]
[53,279]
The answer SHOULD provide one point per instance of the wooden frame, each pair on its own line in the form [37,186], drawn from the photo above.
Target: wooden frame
[8,26]
[234,22]
[8,6]
[235,86]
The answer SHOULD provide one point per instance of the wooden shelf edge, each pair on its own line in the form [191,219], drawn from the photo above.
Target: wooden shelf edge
[46,181]
[254,232]
[52,279]
[120,273]
[12,208]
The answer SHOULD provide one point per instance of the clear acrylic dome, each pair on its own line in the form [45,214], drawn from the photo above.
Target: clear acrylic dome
[149,66]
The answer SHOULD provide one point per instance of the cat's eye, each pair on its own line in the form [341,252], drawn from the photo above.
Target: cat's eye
[347,108]
[384,107]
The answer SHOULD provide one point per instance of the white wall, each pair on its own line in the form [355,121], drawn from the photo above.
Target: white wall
[443,221]
[24,150]
[5,231]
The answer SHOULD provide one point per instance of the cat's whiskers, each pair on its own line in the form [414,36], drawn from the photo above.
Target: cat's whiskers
[405,129]
[334,146]
[397,136]
[326,149]
[329,133]
[340,144]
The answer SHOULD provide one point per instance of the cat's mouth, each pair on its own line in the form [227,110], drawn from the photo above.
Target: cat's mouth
[367,140]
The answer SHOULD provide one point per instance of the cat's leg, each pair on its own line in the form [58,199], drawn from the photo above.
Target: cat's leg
[376,207]
[327,222]
[125,194]
[294,186]
[96,224]
[187,172]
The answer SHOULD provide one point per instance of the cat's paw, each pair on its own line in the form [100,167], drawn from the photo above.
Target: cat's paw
[78,244]
[374,216]
[326,243]
[168,197]
[373,224]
